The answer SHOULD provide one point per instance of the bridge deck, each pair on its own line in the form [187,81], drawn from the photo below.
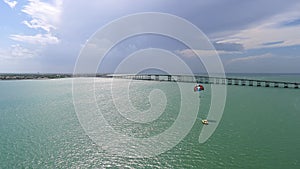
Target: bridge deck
[212,80]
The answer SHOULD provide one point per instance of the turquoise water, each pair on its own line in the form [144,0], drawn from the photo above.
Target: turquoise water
[39,128]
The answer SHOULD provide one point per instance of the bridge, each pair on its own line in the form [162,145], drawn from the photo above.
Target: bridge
[211,80]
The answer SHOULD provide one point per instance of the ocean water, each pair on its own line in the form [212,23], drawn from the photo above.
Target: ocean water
[39,127]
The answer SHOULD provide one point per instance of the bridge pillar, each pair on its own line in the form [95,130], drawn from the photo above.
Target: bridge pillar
[178,78]
[217,81]
[206,80]
[197,78]
[258,83]
[285,85]
[201,80]
[250,82]
[169,77]
[243,82]
[236,82]
[267,84]
[223,81]
[276,85]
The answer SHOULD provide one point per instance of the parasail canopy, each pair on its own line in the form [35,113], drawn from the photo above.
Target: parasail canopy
[198,88]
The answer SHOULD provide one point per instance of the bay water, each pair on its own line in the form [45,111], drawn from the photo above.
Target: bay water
[39,127]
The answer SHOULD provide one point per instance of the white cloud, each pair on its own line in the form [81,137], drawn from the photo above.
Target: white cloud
[17,52]
[270,30]
[43,15]
[18,58]
[249,58]
[11,4]
[35,24]
[42,39]
[189,53]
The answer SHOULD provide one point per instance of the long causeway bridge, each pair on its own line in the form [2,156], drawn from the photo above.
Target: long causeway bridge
[211,80]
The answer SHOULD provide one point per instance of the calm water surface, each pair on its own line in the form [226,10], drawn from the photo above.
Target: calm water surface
[39,127]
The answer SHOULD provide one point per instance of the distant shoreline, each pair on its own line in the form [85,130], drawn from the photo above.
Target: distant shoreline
[13,76]
[44,76]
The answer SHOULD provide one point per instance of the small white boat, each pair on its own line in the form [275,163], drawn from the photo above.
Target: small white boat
[205,122]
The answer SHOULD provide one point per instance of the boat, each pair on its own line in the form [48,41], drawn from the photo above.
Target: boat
[205,122]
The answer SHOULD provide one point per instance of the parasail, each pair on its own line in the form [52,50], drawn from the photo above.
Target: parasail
[198,88]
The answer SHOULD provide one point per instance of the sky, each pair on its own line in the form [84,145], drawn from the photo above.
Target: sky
[257,36]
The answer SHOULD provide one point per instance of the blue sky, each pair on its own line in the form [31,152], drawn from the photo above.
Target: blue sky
[257,36]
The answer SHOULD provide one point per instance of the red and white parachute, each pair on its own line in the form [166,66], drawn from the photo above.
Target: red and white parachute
[198,88]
